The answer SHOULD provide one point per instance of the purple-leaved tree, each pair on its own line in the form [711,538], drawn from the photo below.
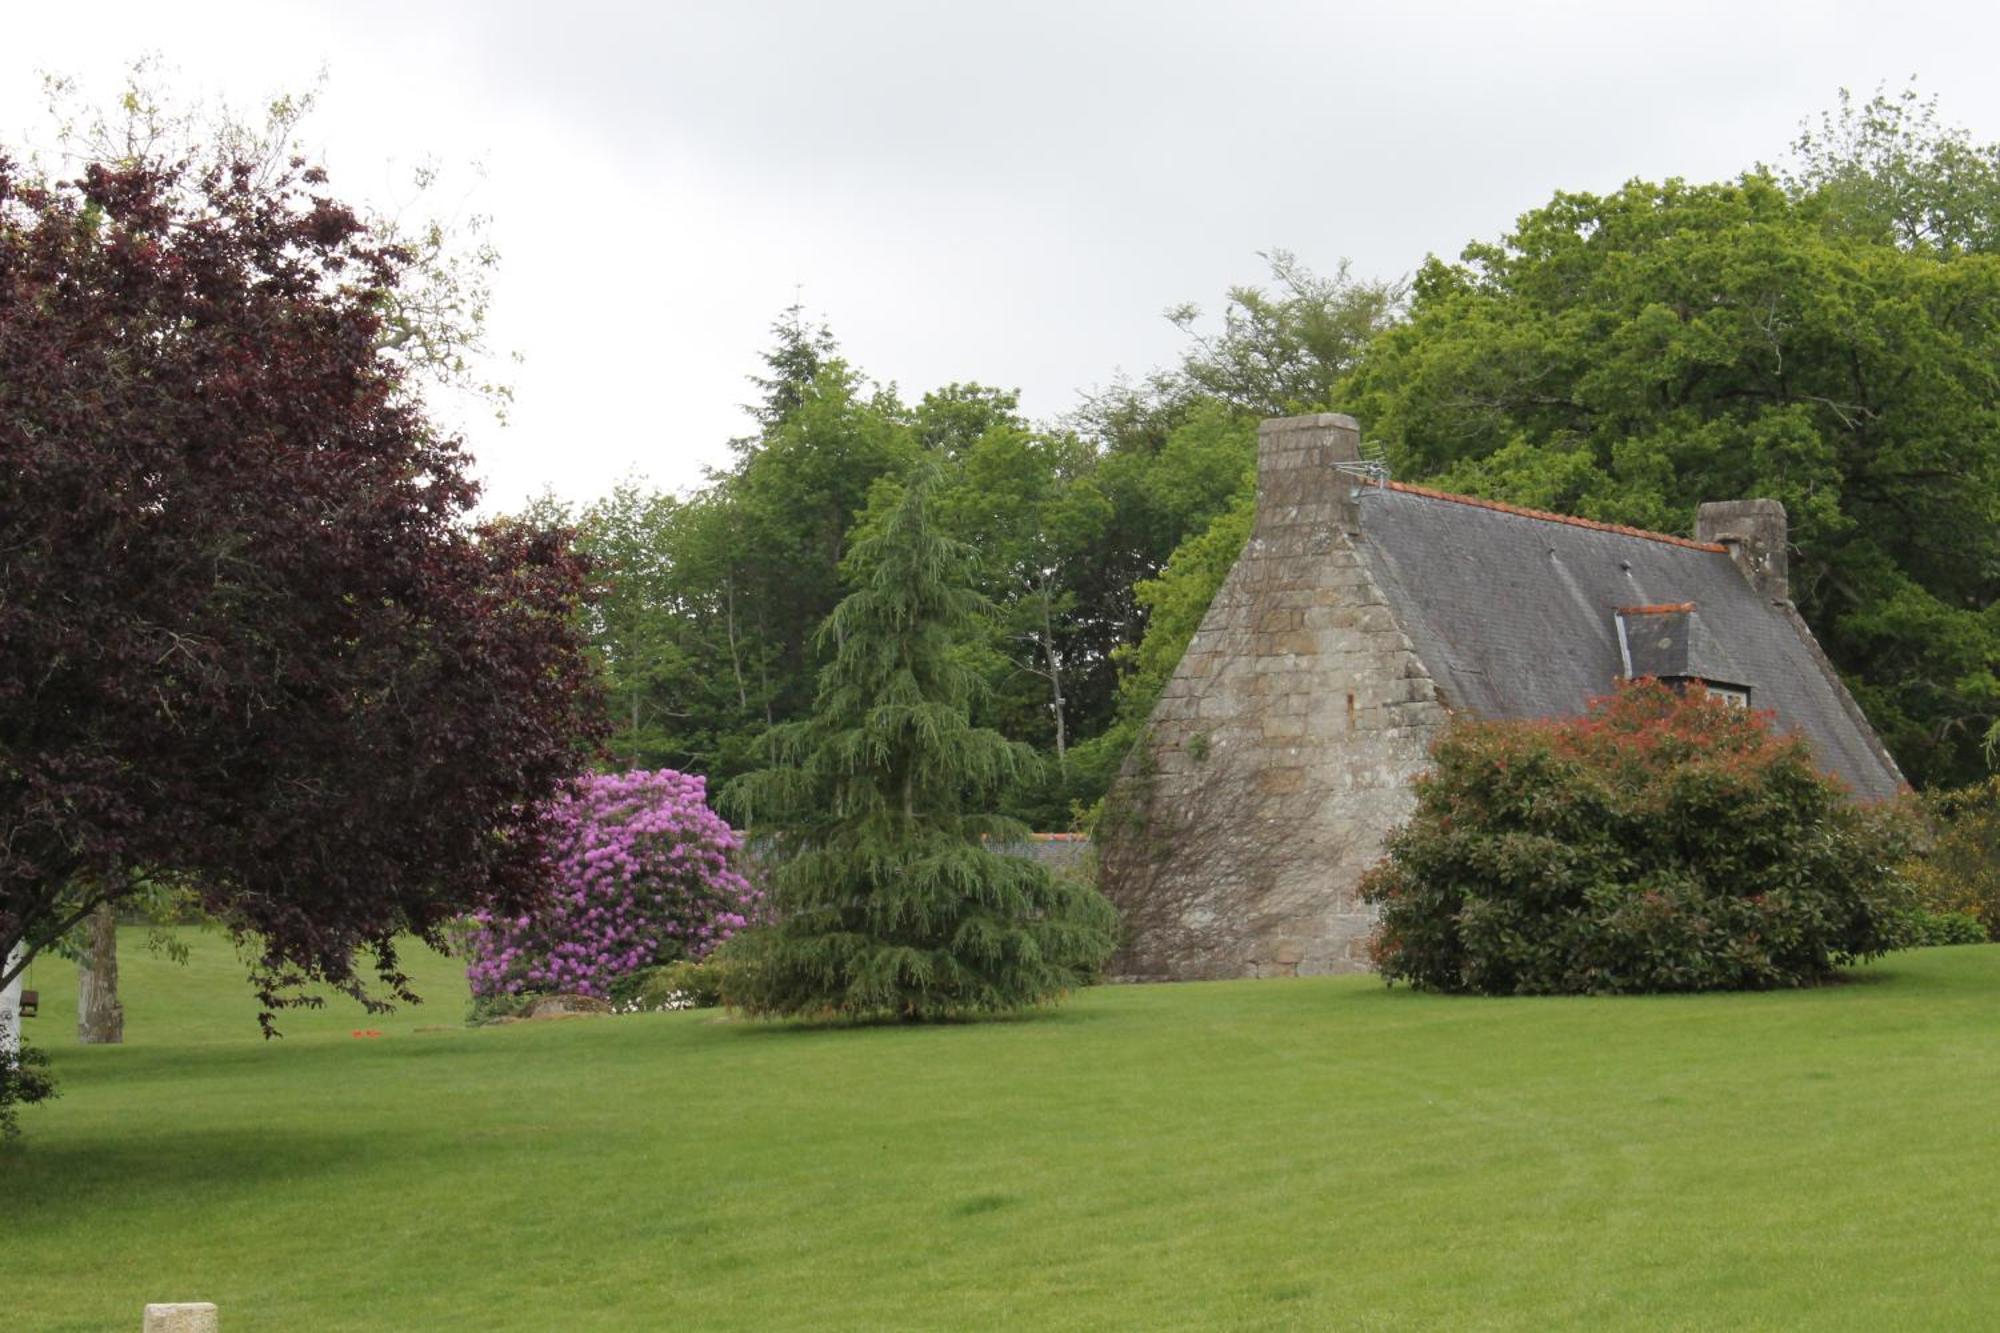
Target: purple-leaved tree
[249,641]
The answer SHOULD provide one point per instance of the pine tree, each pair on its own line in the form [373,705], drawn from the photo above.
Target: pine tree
[890,901]
[802,351]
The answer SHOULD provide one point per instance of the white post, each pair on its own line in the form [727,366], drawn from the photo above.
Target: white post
[10,1010]
[181,1317]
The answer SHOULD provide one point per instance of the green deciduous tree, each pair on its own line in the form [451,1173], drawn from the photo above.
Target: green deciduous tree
[1284,351]
[1029,503]
[890,899]
[793,497]
[1889,169]
[705,630]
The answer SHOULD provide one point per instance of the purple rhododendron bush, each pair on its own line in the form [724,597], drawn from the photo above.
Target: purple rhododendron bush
[644,873]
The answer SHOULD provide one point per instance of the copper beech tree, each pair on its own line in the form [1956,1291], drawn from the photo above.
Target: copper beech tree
[250,644]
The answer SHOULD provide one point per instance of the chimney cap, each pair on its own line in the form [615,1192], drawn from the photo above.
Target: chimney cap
[1309,421]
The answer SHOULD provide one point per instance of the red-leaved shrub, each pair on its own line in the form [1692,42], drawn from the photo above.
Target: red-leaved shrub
[1662,842]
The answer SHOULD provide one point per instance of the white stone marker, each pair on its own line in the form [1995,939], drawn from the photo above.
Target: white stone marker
[181,1317]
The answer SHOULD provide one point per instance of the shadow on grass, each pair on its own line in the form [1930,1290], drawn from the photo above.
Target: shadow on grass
[75,1177]
[1056,1015]
[182,1062]
[1875,973]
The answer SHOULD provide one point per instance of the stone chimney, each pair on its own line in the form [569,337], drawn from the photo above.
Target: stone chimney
[1755,533]
[1300,493]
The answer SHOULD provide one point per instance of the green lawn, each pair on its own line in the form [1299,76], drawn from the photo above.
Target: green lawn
[1244,1155]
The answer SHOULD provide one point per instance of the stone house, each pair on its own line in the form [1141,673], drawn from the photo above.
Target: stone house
[1360,615]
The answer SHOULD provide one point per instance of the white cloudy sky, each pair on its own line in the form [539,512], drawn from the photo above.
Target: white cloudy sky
[1004,192]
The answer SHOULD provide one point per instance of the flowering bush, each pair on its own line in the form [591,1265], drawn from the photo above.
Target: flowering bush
[642,874]
[1660,843]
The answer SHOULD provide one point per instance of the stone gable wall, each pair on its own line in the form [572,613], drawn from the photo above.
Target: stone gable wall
[1281,751]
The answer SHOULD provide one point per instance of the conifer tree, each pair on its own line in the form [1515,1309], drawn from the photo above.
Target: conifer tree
[889,900]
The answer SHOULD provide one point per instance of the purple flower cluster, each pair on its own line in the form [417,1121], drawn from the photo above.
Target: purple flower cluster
[643,873]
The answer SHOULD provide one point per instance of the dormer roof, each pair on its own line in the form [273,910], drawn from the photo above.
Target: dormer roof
[1671,641]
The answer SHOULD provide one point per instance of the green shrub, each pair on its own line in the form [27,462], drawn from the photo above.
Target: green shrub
[677,985]
[24,1080]
[1923,929]
[1959,868]
[1660,843]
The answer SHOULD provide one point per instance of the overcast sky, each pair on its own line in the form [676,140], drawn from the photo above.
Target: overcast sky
[1009,193]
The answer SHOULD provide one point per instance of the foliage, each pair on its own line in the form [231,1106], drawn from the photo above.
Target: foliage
[1627,356]
[1281,350]
[433,322]
[1286,354]
[247,642]
[1661,843]
[888,902]
[24,1080]
[685,984]
[1031,503]
[1920,929]
[741,573]
[644,873]
[1958,869]
[1890,170]
[801,351]
[656,671]
[1177,601]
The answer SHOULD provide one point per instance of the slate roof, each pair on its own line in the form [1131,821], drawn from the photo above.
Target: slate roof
[1516,612]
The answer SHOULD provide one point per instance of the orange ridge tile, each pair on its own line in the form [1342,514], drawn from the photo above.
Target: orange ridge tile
[1503,507]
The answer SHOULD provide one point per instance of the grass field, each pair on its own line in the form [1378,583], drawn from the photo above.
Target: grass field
[1317,1153]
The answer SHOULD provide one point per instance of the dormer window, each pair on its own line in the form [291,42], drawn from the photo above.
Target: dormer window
[1668,642]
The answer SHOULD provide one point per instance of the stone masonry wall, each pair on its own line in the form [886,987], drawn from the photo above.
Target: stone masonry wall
[1281,751]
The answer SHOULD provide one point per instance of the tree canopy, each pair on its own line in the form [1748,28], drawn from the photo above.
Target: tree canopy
[248,642]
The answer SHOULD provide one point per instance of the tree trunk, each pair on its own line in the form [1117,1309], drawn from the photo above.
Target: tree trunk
[1055,679]
[735,660]
[763,670]
[10,1009]
[100,1019]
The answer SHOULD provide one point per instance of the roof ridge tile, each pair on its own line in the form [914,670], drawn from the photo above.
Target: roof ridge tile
[1520,511]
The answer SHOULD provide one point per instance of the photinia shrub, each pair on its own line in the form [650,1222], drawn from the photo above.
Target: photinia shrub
[1662,842]
[643,873]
